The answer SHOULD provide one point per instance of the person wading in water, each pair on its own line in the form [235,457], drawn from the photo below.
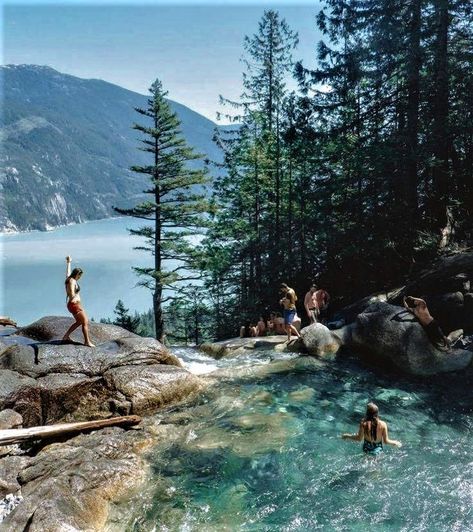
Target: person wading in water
[373,432]
[74,305]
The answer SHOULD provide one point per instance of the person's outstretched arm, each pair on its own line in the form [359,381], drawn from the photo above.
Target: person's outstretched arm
[386,439]
[354,437]
[68,266]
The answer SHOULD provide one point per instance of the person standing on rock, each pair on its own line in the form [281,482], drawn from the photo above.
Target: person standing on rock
[437,337]
[74,305]
[289,304]
[373,432]
[310,304]
[322,298]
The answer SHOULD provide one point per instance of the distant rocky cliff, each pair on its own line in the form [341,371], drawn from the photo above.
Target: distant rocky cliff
[67,145]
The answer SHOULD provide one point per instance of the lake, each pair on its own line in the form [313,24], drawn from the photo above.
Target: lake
[33,269]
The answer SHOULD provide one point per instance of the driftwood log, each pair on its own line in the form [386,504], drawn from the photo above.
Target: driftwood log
[10,436]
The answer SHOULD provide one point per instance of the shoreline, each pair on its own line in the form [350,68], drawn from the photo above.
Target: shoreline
[53,228]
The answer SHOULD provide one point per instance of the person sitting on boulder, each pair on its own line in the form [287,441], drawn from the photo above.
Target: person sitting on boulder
[437,337]
[74,305]
[261,327]
[275,324]
[248,330]
[373,432]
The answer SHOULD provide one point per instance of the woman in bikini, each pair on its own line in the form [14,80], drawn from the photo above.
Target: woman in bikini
[74,306]
[373,432]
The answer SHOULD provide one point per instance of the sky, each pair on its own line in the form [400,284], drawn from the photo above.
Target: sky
[194,48]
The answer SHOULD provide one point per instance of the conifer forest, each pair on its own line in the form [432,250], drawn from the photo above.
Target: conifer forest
[354,180]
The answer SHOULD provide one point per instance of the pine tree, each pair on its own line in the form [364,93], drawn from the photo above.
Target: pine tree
[176,205]
[123,318]
[250,193]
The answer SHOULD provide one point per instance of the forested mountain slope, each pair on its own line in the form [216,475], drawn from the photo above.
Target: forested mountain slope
[68,144]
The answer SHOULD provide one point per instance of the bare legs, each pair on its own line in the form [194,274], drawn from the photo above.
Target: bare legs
[81,320]
[291,329]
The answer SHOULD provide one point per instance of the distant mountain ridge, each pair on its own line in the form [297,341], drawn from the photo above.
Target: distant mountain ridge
[68,143]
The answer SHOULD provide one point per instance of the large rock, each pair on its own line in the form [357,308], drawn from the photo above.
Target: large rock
[49,381]
[319,340]
[394,337]
[54,327]
[70,486]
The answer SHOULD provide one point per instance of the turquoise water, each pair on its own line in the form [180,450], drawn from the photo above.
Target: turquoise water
[262,452]
[32,269]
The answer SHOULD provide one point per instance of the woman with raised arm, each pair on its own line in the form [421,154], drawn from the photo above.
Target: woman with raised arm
[73,304]
[373,432]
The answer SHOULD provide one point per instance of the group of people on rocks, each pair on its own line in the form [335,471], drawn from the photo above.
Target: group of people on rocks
[316,303]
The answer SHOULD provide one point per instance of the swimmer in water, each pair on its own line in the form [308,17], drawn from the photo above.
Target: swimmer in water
[373,432]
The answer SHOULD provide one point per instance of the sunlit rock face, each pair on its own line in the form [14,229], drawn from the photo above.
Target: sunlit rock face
[47,381]
[319,340]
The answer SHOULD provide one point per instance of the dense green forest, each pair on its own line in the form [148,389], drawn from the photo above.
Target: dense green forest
[358,178]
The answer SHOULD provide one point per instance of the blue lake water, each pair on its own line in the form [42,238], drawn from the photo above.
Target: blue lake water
[33,269]
[262,452]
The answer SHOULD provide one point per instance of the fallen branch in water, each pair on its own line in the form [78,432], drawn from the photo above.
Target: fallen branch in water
[10,436]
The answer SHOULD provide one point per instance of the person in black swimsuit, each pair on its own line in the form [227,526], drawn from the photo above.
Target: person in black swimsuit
[74,304]
[373,432]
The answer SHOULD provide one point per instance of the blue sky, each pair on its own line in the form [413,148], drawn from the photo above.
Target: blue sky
[194,48]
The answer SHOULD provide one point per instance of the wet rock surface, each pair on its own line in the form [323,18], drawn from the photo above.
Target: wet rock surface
[241,346]
[46,380]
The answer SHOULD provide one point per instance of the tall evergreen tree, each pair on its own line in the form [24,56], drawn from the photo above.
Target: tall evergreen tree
[251,191]
[176,204]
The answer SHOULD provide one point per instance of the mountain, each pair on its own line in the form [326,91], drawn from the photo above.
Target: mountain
[68,143]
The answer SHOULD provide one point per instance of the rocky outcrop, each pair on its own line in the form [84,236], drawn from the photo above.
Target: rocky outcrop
[48,381]
[392,337]
[319,340]
[72,485]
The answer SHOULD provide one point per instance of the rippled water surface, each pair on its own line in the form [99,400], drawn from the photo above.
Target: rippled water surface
[262,451]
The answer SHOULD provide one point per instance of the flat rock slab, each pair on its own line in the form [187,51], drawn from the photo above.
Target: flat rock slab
[240,346]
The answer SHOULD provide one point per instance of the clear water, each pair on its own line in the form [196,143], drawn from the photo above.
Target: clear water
[262,452]
[32,269]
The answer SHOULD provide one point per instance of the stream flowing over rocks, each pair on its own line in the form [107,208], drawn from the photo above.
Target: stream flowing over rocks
[84,482]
